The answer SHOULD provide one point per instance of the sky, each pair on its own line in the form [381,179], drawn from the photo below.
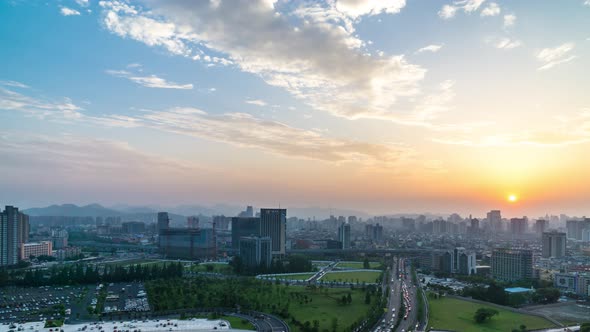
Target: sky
[385,106]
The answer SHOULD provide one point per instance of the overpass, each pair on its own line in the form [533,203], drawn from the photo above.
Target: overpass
[392,251]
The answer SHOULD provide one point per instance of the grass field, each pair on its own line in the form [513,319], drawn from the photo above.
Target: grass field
[360,276]
[324,308]
[457,315]
[238,323]
[358,265]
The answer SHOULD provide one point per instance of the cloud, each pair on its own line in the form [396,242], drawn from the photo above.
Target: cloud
[151,81]
[245,130]
[551,57]
[357,8]
[587,2]
[430,48]
[65,11]
[37,107]
[14,84]
[84,160]
[505,43]
[563,132]
[318,59]
[257,102]
[509,20]
[467,6]
[83,3]
[492,9]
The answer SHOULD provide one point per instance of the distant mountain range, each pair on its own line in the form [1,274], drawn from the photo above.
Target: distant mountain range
[177,213]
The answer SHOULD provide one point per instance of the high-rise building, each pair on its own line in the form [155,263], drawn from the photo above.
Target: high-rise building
[518,226]
[249,213]
[512,264]
[255,251]
[59,238]
[578,229]
[14,231]
[344,235]
[133,227]
[273,223]
[187,243]
[439,226]
[243,227]
[222,222]
[192,222]
[554,244]
[541,226]
[163,221]
[474,225]
[495,220]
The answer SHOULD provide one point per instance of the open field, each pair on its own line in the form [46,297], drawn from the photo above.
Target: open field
[354,276]
[457,315]
[298,303]
[570,313]
[357,265]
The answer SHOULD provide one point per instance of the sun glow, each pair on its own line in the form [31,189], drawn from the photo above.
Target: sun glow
[512,198]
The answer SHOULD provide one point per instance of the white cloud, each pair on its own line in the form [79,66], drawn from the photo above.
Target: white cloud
[150,81]
[65,11]
[14,84]
[318,60]
[587,2]
[357,8]
[467,6]
[492,9]
[83,3]
[506,43]
[244,130]
[509,20]
[257,102]
[37,107]
[551,57]
[430,48]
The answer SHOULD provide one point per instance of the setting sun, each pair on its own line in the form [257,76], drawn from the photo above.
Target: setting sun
[512,198]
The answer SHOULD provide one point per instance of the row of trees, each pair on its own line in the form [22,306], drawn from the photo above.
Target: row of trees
[90,274]
[291,264]
[495,293]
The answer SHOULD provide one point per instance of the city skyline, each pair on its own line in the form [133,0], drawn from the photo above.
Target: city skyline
[379,106]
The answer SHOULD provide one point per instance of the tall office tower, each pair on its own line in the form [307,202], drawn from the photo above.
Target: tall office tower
[255,251]
[273,223]
[512,264]
[192,222]
[495,219]
[474,223]
[541,226]
[554,244]
[352,219]
[242,227]
[463,261]
[518,226]
[378,232]
[344,235]
[222,222]
[23,227]
[369,231]
[9,236]
[163,221]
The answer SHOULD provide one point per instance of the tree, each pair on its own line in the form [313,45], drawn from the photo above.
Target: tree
[349,299]
[334,324]
[483,314]
[366,264]
[585,327]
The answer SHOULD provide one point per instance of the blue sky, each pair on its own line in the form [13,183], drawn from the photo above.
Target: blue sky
[375,105]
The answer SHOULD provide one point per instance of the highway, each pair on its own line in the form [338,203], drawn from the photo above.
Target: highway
[409,322]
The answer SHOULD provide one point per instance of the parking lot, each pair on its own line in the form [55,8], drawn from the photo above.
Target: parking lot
[19,304]
[37,303]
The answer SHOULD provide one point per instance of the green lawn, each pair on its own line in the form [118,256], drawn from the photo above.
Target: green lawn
[238,323]
[358,265]
[457,315]
[360,276]
[303,276]
[323,307]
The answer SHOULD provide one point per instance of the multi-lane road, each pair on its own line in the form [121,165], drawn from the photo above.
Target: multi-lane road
[401,291]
